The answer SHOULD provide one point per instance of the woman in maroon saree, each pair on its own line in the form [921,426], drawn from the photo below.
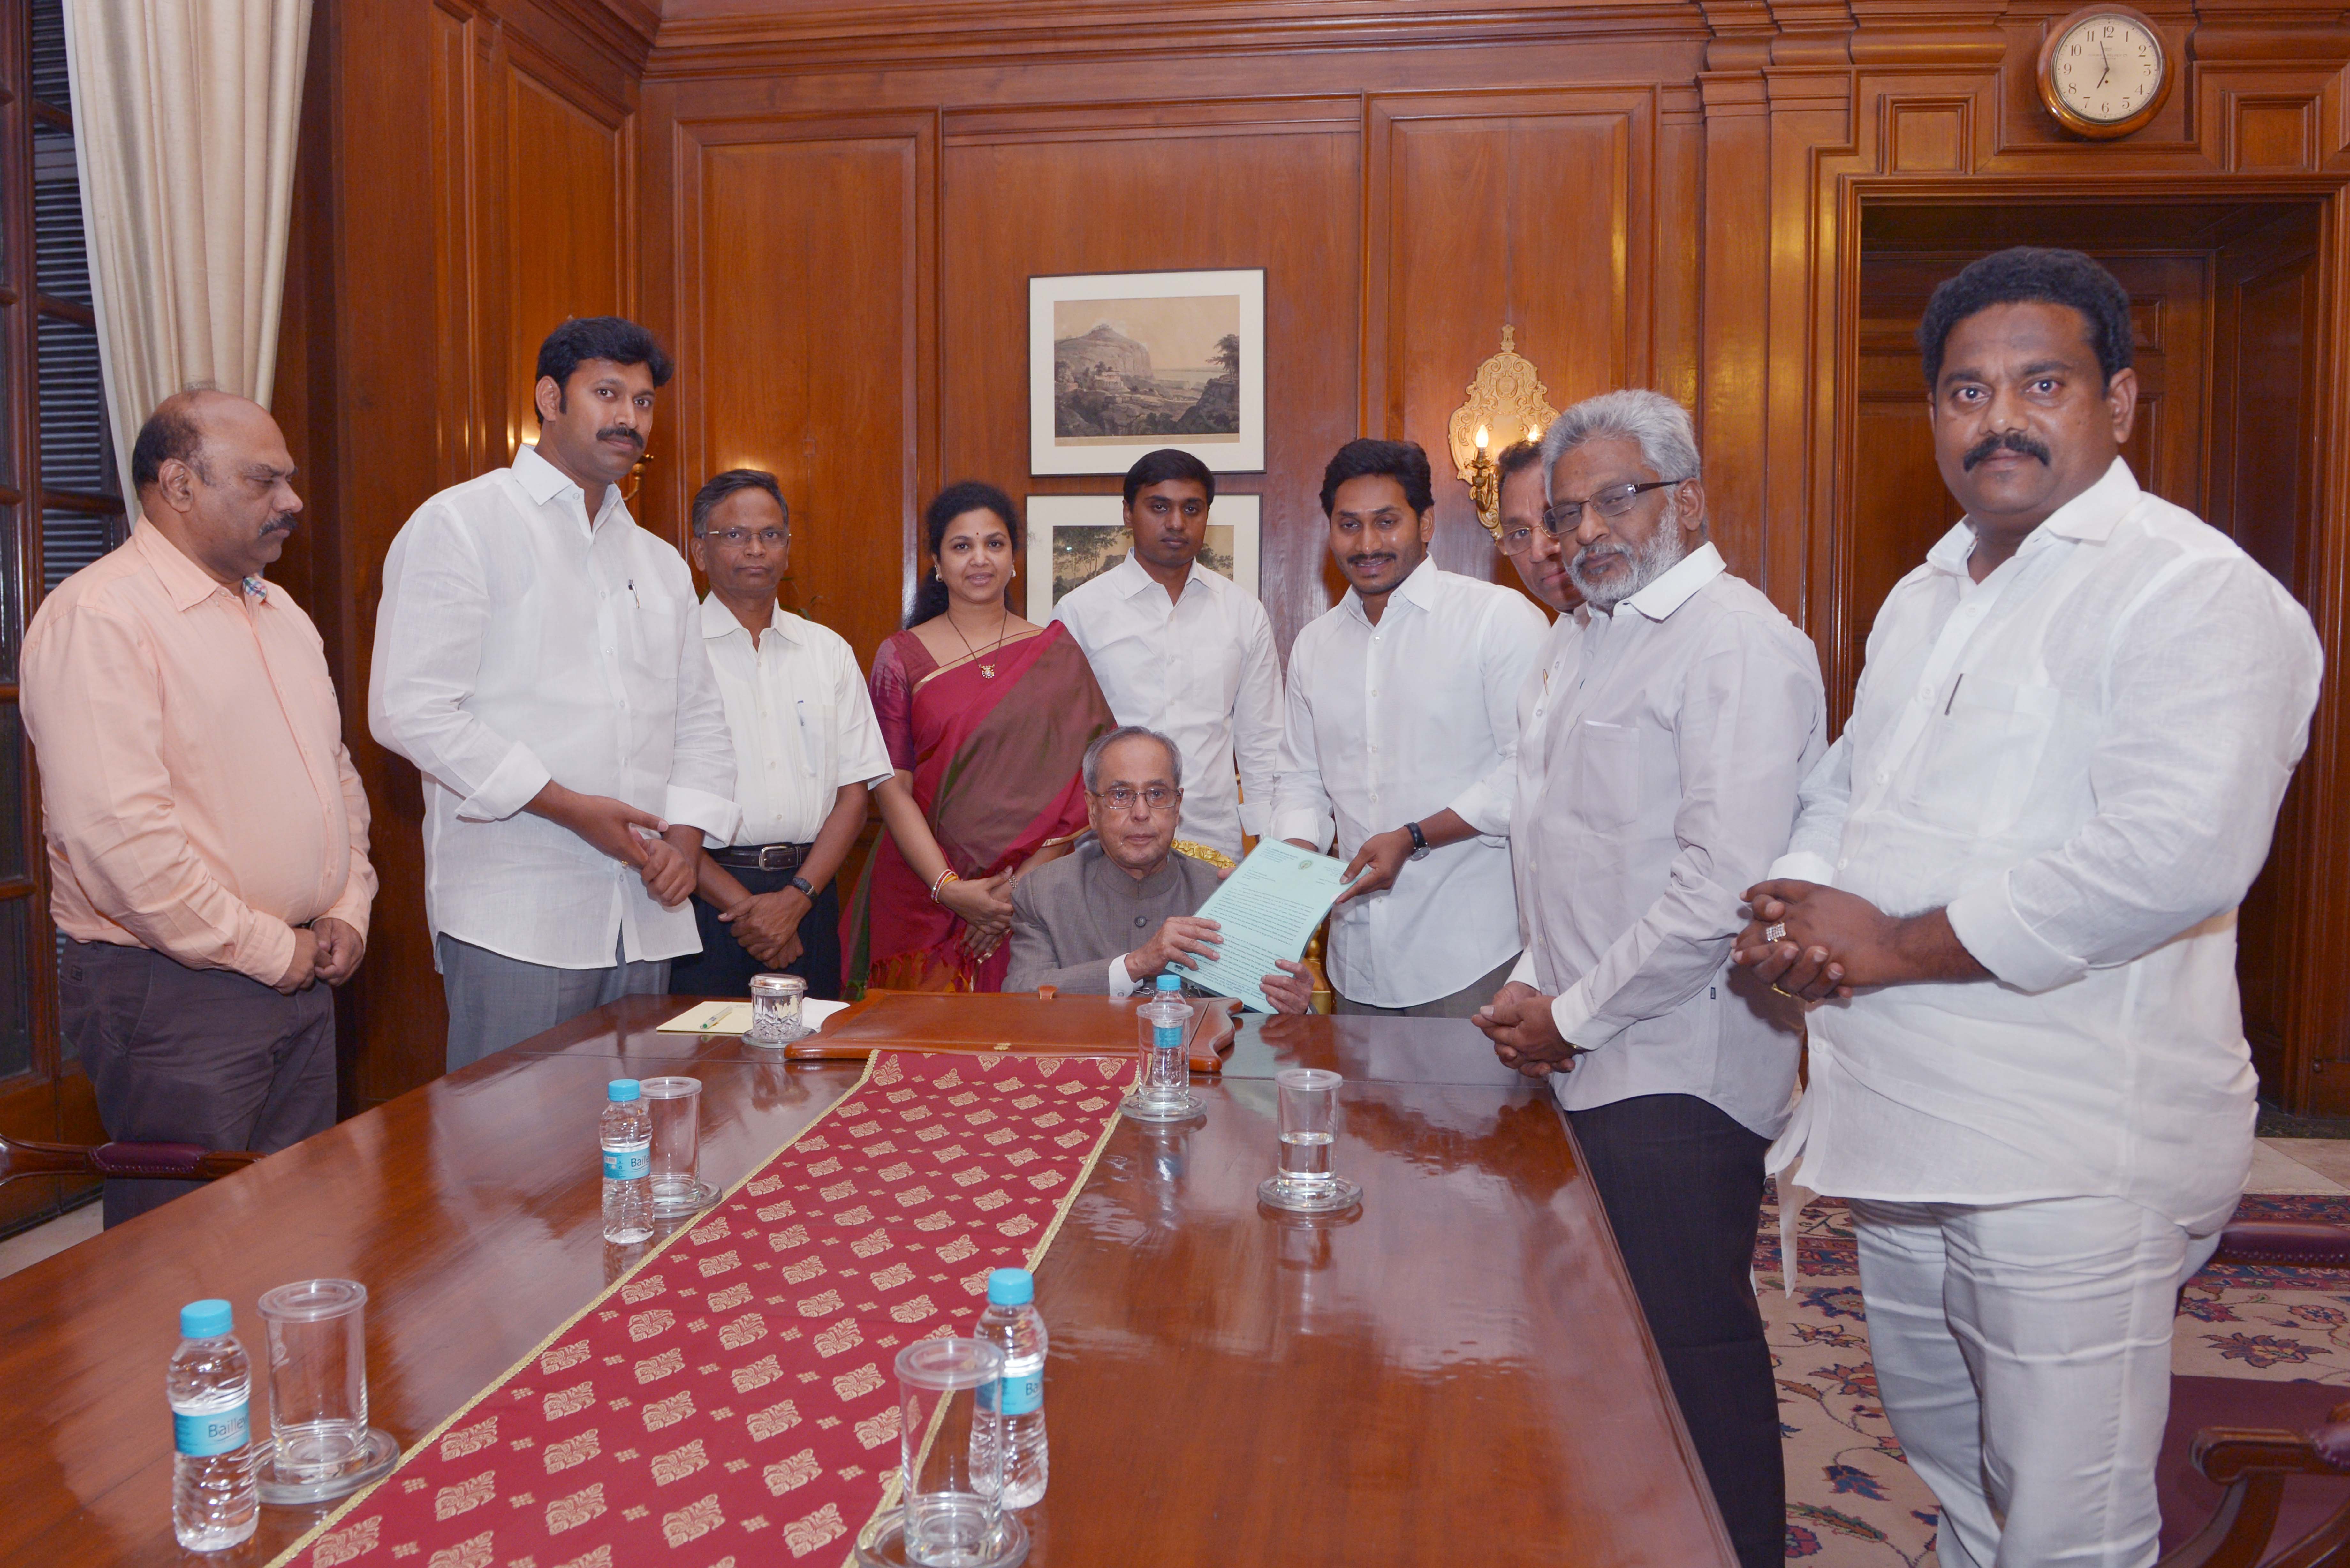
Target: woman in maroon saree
[987,718]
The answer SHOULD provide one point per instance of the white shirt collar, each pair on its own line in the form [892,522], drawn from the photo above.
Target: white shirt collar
[543,481]
[1679,584]
[1418,588]
[718,621]
[1132,578]
[2090,516]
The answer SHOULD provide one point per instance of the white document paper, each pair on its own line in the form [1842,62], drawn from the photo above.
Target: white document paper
[1266,909]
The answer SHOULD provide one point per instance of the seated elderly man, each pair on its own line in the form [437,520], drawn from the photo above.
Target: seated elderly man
[1118,910]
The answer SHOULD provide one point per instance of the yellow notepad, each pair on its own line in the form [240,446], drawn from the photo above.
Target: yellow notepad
[712,1018]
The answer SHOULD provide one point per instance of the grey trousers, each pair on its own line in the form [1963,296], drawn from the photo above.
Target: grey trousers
[1461,1004]
[205,1056]
[496,1002]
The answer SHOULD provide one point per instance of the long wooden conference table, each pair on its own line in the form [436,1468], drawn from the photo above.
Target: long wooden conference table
[1459,1373]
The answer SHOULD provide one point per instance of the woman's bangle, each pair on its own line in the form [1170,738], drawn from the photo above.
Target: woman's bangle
[945,876]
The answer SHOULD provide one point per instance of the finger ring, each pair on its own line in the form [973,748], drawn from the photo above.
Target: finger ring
[1784,992]
[1775,932]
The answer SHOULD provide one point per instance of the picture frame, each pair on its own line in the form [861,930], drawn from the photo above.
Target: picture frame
[1072,539]
[1120,364]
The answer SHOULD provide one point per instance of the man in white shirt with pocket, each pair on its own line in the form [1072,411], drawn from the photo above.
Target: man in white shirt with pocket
[1660,747]
[538,657]
[1187,653]
[1401,724]
[2012,890]
[807,751]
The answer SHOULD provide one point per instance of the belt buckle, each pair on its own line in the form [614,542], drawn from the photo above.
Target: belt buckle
[786,857]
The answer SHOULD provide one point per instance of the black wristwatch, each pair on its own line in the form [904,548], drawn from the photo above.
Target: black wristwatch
[1418,841]
[802,884]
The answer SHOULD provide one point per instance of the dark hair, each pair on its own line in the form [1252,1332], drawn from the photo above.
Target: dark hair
[2036,273]
[613,338]
[1166,463]
[1515,459]
[733,482]
[969,495]
[1401,460]
[170,434]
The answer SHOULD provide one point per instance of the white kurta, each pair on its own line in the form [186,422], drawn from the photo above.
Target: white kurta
[1393,722]
[2081,757]
[1201,671]
[519,642]
[1659,752]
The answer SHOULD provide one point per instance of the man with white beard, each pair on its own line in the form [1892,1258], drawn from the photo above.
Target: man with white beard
[1660,746]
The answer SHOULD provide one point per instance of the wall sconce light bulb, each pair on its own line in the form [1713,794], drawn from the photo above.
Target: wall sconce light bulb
[1483,439]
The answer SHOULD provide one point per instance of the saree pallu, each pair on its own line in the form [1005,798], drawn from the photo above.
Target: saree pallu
[996,769]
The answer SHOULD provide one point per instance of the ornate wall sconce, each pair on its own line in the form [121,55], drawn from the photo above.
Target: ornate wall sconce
[1506,401]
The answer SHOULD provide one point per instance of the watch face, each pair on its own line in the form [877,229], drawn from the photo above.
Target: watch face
[2106,68]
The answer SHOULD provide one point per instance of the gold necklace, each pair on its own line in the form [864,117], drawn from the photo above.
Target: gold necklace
[1003,630]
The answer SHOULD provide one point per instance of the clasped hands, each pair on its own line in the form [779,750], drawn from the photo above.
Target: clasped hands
[1811,942]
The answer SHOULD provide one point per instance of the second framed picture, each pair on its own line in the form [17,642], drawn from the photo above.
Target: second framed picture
[1120,364]
[1073,539]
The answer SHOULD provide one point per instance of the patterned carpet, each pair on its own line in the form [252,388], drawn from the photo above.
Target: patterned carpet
[1852,1501]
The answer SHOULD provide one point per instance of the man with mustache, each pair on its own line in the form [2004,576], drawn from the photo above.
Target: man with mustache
[207,834]
[1181,650]
[807,747]
[1402,723]
[1526,539]
[2013,888]
[538,657]
[1659,749]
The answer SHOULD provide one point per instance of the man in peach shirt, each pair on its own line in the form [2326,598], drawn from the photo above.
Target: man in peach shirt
[207,833]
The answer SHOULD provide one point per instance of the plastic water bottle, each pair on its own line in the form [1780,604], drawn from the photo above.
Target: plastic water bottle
[1165,1085]
[1012,1325]
[628,1138]
[210,1385]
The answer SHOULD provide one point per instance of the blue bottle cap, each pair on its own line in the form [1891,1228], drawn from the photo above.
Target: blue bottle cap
[623,1089]
[1010,1287]
[1169,983]
[205,1319]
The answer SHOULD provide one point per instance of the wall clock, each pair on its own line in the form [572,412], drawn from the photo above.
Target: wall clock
[2103,71]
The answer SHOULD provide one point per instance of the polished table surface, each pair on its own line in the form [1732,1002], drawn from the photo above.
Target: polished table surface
[1457,1372]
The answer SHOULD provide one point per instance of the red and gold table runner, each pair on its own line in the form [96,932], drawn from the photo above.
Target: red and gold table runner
[732,1399]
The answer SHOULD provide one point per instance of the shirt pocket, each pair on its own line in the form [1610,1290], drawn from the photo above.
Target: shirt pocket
[1607,773]
[815,752]
[1982,753]
[658,626]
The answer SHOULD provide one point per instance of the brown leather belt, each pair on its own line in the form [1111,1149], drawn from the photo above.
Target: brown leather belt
[763,857]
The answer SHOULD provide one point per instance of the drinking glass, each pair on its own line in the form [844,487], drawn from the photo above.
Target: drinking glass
[1303,1182]
[776,1009]
[951,1434]
[676,1159]
[1162,1078]
[320,1446]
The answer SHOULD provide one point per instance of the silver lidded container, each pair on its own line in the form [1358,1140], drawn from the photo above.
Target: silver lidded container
[776,1009]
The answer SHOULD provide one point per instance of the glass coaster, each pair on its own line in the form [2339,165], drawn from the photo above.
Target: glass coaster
[375,1462]
[883,1544]
[687,1200]
[1274,1193]
[1183,1110]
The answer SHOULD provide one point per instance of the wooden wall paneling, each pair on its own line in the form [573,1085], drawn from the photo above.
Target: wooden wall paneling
[803,330]
[1533,209]
[1734,310]
[2318,1025]
[1174,186]
[1678,249]
[566,244]
[460,48]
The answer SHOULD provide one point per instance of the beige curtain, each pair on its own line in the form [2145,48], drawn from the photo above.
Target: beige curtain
[185,118]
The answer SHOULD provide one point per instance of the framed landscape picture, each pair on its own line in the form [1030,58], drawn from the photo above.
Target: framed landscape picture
[1120,364]
[1073,539]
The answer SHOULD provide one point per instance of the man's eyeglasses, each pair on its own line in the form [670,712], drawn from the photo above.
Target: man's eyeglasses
[1121,797]
[772,538]
[1566,516]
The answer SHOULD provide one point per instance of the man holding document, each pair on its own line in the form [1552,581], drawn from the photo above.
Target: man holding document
[1124,907]
[1660,744]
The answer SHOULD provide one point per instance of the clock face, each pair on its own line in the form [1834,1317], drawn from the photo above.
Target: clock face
[2106,68]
